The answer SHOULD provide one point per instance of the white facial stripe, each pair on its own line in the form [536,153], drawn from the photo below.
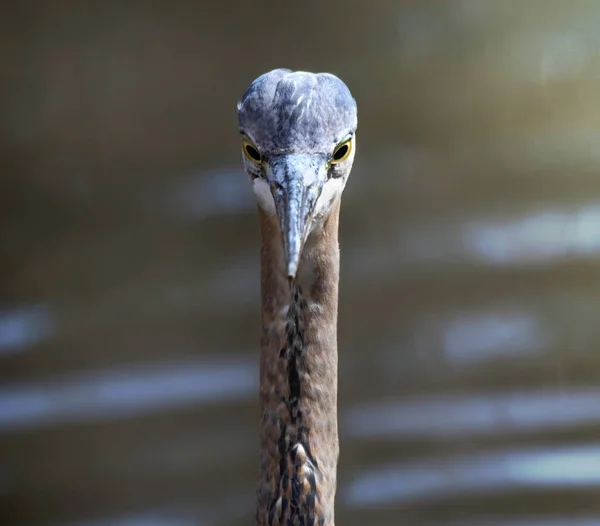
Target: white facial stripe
[263,195]
[332,189]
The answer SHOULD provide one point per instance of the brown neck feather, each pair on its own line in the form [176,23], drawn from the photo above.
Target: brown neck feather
[298,379]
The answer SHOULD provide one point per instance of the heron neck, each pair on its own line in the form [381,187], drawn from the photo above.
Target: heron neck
[298,379]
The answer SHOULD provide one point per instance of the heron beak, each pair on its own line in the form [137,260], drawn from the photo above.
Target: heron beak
[296,181]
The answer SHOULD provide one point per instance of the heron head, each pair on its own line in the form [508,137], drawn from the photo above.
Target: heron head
[298,144]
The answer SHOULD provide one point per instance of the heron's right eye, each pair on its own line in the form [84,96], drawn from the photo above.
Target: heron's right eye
[250,151]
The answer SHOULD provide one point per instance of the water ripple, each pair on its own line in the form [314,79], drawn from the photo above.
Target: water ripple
[124,393]
[461,415]
[220,192]
[526,521]
[24,326]
[477,474]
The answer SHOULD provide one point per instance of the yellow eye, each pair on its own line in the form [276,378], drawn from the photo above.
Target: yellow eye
[341,152]
[250,151]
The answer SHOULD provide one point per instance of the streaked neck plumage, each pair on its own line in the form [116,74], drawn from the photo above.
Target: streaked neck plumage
[298,378]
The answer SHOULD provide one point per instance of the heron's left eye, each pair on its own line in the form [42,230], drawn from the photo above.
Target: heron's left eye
[341,152]
[250,151]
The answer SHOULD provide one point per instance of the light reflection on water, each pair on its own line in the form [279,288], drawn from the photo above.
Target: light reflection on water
[212,193]
[543,237]
[195,513]
[478,473]
[125,393]
[452,416]
[524,521]
[23,327]
[538,237]
[146,519]
[476,337]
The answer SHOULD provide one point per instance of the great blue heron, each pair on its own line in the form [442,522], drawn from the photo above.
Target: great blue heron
[298,144]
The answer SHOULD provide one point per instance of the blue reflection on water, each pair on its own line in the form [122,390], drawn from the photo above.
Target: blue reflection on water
[23,327]
[125,392]
[526,521]
[541,237]
[544,237]
[476,337]
[477,473]
[233,508]
[220,192]
[148,519]
[459,415]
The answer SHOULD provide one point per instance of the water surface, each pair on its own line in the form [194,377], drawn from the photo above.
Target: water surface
[470,234]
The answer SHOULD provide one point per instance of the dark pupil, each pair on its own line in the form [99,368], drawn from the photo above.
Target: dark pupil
[340,152]
[252,152]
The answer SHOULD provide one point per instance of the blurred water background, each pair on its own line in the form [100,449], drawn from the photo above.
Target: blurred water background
[470,296]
